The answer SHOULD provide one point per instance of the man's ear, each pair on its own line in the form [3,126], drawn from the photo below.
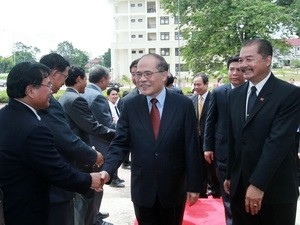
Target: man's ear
[29,91]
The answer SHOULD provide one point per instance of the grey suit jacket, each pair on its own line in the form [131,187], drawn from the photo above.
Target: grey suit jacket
[216,125]
[168,166]
[100,109]
[81,119]
[262,146]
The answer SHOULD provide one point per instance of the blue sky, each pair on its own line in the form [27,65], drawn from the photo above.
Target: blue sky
[43,24]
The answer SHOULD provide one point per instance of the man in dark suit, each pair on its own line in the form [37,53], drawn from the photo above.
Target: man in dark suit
[83,124]
[216,128]
[264,115]
[29,162]
[70,146]
[165,167]
[210,183]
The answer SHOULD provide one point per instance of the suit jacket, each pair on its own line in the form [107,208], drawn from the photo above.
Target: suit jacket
[1,209]
[261,147]
[69,145]
[99,107]
[201,123]
[133,93]
[216,125]
[29,162]
[166,167]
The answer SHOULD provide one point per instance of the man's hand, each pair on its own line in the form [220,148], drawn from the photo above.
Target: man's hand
[99,160]
[253,199]
[226,185]
[104,178]
[209,156]
[96,182]
[192,198]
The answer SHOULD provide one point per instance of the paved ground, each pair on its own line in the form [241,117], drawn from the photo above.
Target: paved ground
[117,202]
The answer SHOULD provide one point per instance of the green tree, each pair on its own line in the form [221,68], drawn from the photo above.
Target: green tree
[215,29]
[73,55]
[6,63]
[22,53]
[107,59]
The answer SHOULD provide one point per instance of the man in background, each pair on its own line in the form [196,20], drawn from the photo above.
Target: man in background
[216,128]
[210,182]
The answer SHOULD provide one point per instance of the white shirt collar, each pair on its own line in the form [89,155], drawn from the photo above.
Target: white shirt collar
[32,109]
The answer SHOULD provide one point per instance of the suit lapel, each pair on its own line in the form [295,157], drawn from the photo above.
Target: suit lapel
[169,110]
[142,111]
[262,98]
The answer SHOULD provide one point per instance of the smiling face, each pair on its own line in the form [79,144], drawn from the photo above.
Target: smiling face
[150,80]
[254,66]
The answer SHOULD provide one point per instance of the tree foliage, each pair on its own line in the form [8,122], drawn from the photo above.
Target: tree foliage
[215,29]
[74,55]
[107,59]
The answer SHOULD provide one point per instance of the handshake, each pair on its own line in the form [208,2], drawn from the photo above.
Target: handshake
[98,180]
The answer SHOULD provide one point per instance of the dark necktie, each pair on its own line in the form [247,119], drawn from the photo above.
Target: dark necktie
[117,111]
[155,118]
[251,99]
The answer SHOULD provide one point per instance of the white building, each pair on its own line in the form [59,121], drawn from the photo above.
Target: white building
[141,27]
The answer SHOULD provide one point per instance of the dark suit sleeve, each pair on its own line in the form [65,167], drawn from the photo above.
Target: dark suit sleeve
[211,119]
[66,142]
[41,155]
[100,109]
[192,150]
[81,114]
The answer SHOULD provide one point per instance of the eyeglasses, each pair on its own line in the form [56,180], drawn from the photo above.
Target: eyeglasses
[147,74]
[65,75]
[47,85]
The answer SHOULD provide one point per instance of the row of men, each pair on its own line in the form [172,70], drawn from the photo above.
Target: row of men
[160,130]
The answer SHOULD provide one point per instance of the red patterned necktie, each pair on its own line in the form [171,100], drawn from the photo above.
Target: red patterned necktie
[155,117]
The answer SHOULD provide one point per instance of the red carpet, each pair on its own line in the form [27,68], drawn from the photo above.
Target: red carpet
[205,212]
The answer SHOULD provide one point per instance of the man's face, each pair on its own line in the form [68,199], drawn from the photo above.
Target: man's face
[104,82]
[254,67]
[81,84]
[58,79]
[40,95]
[152,81]
[113,96]
[199,87]
[235,74]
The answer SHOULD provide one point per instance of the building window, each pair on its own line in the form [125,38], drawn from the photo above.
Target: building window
[177,52]
[140,36]
[164,36]
[132,36]
[183,67]
[164,20]
[176,20]
[178,37]
[141,51]
[132,5]
[140,4]
[133,52]
[152,50]
[165,51]
[140,20]
[132,20]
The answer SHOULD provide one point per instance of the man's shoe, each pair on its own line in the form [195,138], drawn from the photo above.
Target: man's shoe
[102,215]
[126,167]
[116,184]
[101,222]
[120,180]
